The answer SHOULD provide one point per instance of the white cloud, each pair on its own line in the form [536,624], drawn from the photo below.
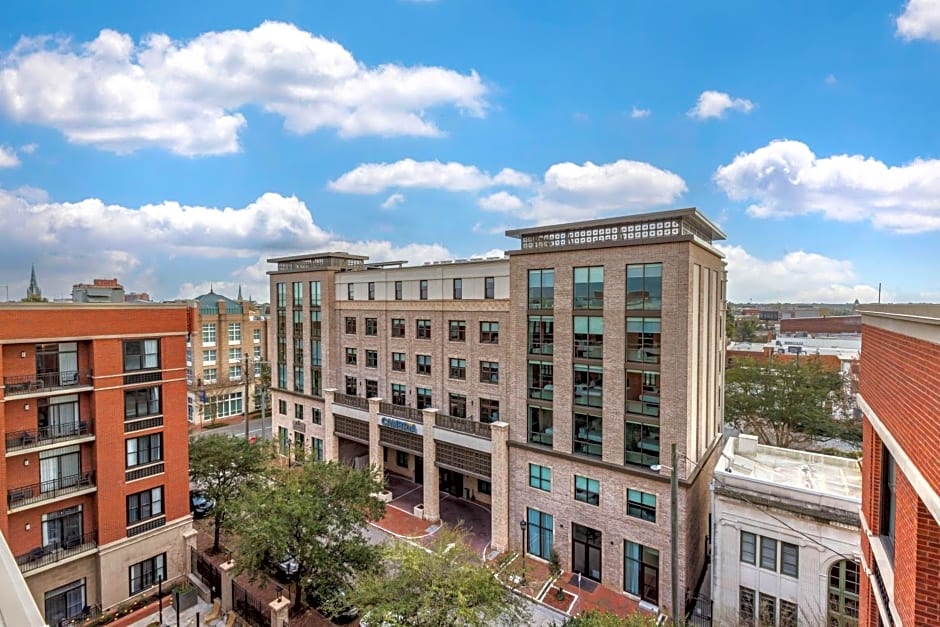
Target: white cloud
[28,149]
[372,178]
[920,20]
[786,178]
[831,79]
[796,277]
[8,158]
[636,113]
[393,201]
[501,201]
[714,104]
[186,97]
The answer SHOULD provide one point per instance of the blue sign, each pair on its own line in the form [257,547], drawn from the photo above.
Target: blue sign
[400,425]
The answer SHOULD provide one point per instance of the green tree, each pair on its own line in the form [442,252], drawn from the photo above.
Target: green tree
[787,403]
[729,322]
[222,466]
[597,618]
[445,585]
[313,514]
[745,330]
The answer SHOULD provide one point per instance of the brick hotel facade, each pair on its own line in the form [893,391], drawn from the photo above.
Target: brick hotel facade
[544,384]
[95,454]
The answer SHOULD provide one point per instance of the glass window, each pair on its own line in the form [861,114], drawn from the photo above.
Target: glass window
[208,333]
[644,340]
[484,487]
[843,594]
[540,533]
[423,329]
[315,293]
[398,394]
[768,553]
[540,477]
[234,332]
[298,294]
[352,386]
[424,398]
[642,393]
[398,327]
[541,335]
[65,603]
[641,505]
[298,411]
[587,435]
[489,287]
[282,295]
[234,355]
[789,613]
[457,405]
[372,359]
[423,363]
[398,362]
[641,444]
[767,609]
[489,332]
[140,355]
[542,288]
[351,324]
[398,290]
[747,606]
[645,286]
[401,459]
[587,490]
[316,447]
[350,291]
[458,289]
[489,372]
[147,573]
[316,416]
[641,571]
[146,449]
[540,425]
[457,331]
[489,410]
[141,402]
[423,289]
[371,290]
[372,326]
[588,385]
[789,559]
[541,377]
[458,368]
[144,505]
[748,547]
[589,288]
[888,492]
[588,337]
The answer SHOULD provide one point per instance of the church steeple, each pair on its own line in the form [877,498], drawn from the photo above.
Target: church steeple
[239,299]
[33,293]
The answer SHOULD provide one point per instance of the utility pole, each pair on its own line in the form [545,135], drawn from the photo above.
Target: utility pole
[245,402]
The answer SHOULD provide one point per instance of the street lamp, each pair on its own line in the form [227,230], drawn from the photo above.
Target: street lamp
[673,529]
[523,525]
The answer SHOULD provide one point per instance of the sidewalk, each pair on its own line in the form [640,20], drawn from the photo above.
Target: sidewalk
[187,617]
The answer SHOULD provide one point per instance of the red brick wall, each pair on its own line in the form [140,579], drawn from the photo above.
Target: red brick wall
[927,584]
[828,324]
[905,549]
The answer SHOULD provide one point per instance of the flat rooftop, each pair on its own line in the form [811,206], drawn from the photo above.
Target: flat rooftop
[814,472]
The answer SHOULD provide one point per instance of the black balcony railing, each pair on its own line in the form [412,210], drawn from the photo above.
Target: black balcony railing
[464,425]
[46,382]
[32,438]
[401,411]
[45,490]
[351,401]
[56,551]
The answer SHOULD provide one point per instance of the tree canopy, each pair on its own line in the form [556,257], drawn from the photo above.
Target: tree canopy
[221,466]
[313,515]
[788,403]
[597,618]
[445,585]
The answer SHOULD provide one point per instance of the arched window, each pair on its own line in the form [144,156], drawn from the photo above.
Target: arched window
[843,594]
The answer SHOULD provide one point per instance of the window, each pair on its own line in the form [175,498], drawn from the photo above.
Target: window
[540,529]
[256,335]
[352,386]
[489,372]
[541,377]
[256,353]
[65,603]
[641,571]
[587,490]
[316,352]
[767,609]
[588,385]
[644,340]
[540,425]
[489,410]
[789,612]
[747,606]
[423,289]
[458,289]
[540,477]
[372,326]
[208,333]
[228,404]
[372,359]
[642,393]
[144,505]
[147,573]
[645,286]
[351,325]
[351,356]
[542,289]
[641,505]
[748,547]
[789,559]
[59,416]
[141,402]
[423,364]
[398,327]
[398,394]
[587,435]
[423,329]
[588,337]
[62,528]
[282,439]
[316,448]
[209,356]
[282,407]
[489,287]
[234,355]
[298,294]
[234,332]
[398,362]
[316,415]
[457,331]
[298,411]
[489,332]
[397,290]
[484,487]
[458,368]
[768,553]
[541,336]
[315,298]
[146,449]
[371,290]
[589,288]
[282,295]
[141,355]
[457,405]
[843,594]
[350,291]
[423,397]
[316,382]
[401,459]
[888,502]
[640,443]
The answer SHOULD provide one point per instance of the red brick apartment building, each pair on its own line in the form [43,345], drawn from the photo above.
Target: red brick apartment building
[94,458]
[900,400]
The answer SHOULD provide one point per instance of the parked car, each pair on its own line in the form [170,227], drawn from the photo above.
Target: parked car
[286,569]
[199,504]
[335,607]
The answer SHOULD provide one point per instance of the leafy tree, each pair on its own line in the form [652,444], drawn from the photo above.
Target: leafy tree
[597,618]
[446,585]
[745,330]
[787,403]
[221,466]
[729,322]
[313,515]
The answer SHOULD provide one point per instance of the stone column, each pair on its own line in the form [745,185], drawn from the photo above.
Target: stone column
[227,570]
[189,547]
[375,449]
[432,494]
[280,608]
[499,483]
[330,441]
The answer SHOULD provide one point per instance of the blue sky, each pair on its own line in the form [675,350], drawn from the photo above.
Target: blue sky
[178,144]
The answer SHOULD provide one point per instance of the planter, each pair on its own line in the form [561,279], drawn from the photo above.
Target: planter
[185,599]
[385,496]
[419,510]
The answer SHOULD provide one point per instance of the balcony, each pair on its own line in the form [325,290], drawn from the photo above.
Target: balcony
[56,552]
[24,496]
[351,401]
[401,411]
[30,439]
[18,385]
[463,425]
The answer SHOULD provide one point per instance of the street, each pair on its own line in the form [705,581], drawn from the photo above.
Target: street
[238,429]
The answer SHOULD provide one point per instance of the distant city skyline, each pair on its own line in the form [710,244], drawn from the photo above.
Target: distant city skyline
[177,147]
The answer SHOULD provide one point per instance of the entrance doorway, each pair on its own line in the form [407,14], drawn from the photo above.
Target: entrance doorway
[419,470]
[451,482]
[586,552]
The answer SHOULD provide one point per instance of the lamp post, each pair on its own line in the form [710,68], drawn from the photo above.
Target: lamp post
[523,525]
[673,529]
[245,400]
[160,597]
